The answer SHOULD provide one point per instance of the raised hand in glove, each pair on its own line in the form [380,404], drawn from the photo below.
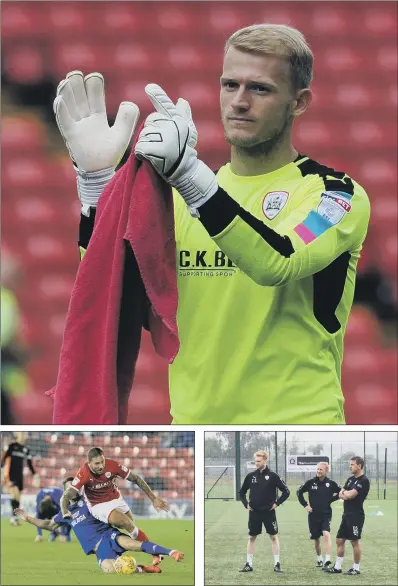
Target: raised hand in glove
[167,141]
[94,146]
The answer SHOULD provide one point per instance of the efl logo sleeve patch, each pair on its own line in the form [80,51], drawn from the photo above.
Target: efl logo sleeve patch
[334,205]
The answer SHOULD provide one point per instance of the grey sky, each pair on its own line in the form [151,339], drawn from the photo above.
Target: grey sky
[330,436]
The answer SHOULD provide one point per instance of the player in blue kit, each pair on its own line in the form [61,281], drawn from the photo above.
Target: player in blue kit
[100,538]
[47,506]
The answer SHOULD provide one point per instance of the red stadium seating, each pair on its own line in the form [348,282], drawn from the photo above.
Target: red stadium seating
[351,125]
[60,454]
[25,64]
[23,20]
[20,133]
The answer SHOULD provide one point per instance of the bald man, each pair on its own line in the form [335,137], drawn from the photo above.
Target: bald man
[322,491]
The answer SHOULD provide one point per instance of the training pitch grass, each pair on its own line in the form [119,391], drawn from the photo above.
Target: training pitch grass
[26,562]
[226,540]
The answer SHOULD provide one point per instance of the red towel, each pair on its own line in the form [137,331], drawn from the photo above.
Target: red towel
[126,279]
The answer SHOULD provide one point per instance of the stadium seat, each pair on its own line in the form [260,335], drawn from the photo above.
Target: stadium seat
[33,407]
[371,403]
[70,20]
[185,58]
[224,19]
[210,135]
[330,20]
[25,64]
[78,54]
[203,98]
[173,18]
[362,328]
[119,19]
[379,22]
[388,256]
[379,173]
[22,132]
[23,20]
[370,364]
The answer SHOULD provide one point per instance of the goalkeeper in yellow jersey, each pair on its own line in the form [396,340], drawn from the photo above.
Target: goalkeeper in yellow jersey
[267,247]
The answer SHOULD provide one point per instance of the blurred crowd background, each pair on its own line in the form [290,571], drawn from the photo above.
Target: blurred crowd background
[350,126]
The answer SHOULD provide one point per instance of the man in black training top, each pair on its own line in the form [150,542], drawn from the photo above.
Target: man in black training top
[354,493]
[321,493]
[263,485]
[12,461]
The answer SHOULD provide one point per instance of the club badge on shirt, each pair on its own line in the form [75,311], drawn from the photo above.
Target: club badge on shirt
[273,203]
[334,206]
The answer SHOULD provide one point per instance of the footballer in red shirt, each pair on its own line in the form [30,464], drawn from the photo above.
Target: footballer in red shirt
[96,480]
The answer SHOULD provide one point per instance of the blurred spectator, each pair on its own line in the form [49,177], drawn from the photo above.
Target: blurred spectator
[374,289]
[182,439]
[13,356]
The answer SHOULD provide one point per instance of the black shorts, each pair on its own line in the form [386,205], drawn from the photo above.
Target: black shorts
[317,524]
[259,518]
[351,527]
[17,481]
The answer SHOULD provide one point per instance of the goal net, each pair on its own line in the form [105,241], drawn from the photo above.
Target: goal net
[220,482]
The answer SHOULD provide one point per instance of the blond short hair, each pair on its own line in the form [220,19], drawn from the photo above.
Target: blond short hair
[262,454]
[324,464]
[277,39]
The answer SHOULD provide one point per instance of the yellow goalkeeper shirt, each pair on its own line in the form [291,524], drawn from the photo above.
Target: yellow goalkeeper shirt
[266,283]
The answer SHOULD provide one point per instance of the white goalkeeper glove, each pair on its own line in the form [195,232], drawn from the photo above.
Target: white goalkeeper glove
[167,141]
[94,147]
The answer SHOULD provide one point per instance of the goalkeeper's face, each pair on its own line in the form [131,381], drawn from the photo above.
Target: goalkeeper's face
[257,98]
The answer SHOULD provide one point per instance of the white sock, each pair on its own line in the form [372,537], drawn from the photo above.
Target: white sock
[134,533]
[338,563]
[276,558]
[356,567]
[327,557]
[319,558]
[250,559]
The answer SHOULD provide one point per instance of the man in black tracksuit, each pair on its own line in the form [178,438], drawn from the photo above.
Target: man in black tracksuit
[354,493]
[321,493]
[13,460]
[263,485]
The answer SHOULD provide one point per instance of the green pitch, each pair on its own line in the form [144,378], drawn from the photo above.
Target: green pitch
[26,562]
[226,540]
